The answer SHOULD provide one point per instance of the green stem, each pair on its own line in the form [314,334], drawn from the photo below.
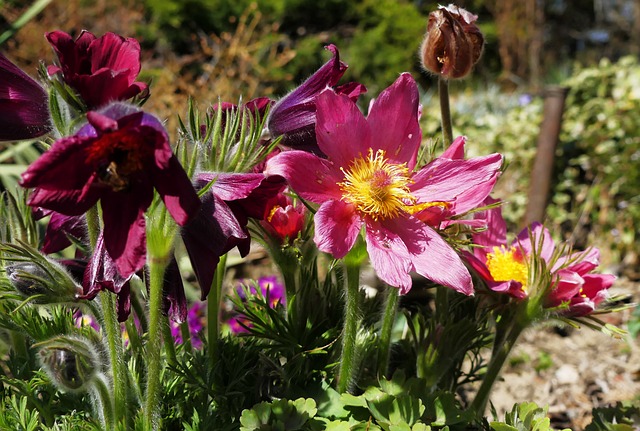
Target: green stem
[111,327]
[388,320]
[169,344]
[213,310]
[347,371]
[101,395]
[157,266]
[445,111]
[113,334]
[501,350]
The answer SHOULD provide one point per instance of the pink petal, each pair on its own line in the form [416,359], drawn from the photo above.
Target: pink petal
[341,129]
[393,119]
[456,149]
[540,241]
[313,178]
[337,228]
[389,256]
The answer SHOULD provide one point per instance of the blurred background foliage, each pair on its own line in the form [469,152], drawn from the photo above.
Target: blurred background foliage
[224,50]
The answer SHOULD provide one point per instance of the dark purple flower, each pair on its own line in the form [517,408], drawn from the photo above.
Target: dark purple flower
[102,69]
[102,273]
[61,229]
[24,112]
[117,159]
[222,221]
[294,116]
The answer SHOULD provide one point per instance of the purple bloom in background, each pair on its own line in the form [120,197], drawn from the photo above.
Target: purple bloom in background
[102,69]
[24,112]
[196,317]
[117,159]
[294,116]
[269,287]
[222,221]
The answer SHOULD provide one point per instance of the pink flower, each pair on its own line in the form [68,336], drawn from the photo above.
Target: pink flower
[368,180]
[102,69]
[24,112]
[505,267]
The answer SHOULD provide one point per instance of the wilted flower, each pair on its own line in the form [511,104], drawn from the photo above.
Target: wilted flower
[101,70]
[23,104]
[294,116]
[452,43]
[506,267]
[222,221]
[117,159]
[368,180]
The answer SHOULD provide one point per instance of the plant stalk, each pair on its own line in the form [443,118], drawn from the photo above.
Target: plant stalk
[347,371]
[213,310]
[157,267]
[388,320]
[445,111]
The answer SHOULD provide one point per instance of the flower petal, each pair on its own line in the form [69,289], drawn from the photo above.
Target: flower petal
[389,256]
[177,192]
[313,178]
[337,228]
[341,129]
[393,119]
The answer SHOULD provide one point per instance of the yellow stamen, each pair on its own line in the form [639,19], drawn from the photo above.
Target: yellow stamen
[376,187]
[423,206]
[507,264]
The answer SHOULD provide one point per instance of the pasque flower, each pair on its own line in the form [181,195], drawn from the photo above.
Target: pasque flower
[221,223]
[506,267]
[269,287]
[294,116]
[23,104]
[101,69]
[284,218]
[117,159]
[368,180]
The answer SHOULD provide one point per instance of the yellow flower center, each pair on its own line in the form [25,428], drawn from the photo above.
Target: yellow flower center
[507,264]
[376,187]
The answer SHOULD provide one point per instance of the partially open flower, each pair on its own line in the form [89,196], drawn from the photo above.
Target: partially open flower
[23,104]
[452,43]
[284,218]
[101,69]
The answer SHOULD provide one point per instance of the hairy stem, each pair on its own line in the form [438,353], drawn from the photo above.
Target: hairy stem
[347,371]
[445,111]
[388,319]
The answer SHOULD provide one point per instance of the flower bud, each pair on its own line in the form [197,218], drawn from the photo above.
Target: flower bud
[71,363]
[44,281]
[452,43]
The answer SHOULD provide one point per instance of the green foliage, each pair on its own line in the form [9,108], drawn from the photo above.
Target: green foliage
[524,417]
[621,417]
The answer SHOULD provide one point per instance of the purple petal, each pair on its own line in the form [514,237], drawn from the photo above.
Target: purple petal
[177,192]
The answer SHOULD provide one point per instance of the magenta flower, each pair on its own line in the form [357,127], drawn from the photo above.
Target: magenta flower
[368,180]
[505,267]
[222,221]
[100,69]
[294,116]
[117,159]
[24,112]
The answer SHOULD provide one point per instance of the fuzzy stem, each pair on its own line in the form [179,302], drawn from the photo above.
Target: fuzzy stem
[501,350]
[169,344]
[388,319]
[110,325]
[445,111]
[346,374]
[102,397]
[157,266]
[213,310]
